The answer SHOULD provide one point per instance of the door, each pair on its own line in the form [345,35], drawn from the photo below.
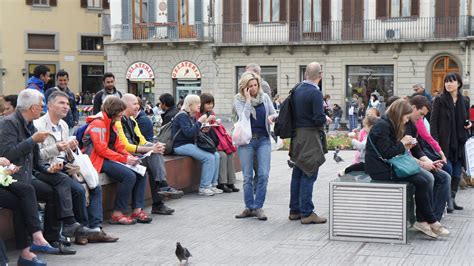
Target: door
[186,19]
[352,20]
[446,18]
[232,27]
[441,67]
[139,18]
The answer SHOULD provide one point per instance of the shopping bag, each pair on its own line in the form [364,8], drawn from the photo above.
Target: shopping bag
[242,131]
[87,169]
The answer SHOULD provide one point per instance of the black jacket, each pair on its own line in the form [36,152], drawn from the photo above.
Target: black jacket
[100,96]
[382,135]
[168,115]
[19,148]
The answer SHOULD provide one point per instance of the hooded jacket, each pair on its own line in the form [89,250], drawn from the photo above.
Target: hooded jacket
[35,83]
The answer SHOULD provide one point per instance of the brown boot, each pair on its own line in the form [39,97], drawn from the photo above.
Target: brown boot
[313,219]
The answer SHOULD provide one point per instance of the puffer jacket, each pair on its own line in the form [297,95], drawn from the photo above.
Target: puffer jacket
[96,139]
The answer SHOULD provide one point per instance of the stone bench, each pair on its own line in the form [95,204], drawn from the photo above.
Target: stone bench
[183,173]
[362,209]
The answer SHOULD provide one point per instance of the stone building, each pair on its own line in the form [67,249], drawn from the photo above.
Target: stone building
[365,46]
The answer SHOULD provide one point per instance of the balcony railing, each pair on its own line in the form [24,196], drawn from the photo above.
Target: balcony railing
[156,32]
[376,30]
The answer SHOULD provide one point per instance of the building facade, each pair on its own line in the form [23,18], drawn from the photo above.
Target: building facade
[364,46]
[59,34]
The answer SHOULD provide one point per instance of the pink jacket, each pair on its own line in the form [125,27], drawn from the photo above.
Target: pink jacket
[425,135]
[362,137]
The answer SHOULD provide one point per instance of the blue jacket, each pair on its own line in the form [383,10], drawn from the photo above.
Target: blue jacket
[308,106]
[145,125]
[37,84]
[189,130]
[72,116]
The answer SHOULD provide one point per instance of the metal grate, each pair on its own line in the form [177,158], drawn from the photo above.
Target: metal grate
[369,212]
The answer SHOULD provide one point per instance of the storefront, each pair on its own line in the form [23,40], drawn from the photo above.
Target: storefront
[141,81]
[365,80]
[186,79]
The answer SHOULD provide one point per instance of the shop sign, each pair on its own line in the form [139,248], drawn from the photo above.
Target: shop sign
[140,71]
[186,70]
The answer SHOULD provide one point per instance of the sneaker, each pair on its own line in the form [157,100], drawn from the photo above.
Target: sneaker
[313,218]
[170,192]
[206,192]
[439,229]
[216,190]
[260,214]
[245,213]
[294,216]
[425,229]
[162,209]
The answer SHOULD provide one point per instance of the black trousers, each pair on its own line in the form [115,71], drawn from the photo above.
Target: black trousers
[360,166]
[51,224]
[21,199]
[61,184]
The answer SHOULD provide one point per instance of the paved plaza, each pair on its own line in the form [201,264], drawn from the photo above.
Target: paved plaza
[207,227]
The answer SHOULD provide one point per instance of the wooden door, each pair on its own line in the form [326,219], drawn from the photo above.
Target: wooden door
[446,18]
[353,19]
[185,28]
[441,67]
[232,26]
[139,19]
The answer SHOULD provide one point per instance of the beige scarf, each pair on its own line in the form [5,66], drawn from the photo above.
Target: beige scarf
[254,101]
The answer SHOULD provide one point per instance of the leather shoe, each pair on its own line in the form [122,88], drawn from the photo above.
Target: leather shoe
[34,262]
[162,209]
[224,188]
[81,240]
[102,237]
[313,218]
[63,250]
[457,207]
[294,216]
[70,230]
[48,249]
[232,186]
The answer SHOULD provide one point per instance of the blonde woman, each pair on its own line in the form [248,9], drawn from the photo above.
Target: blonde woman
[186,129]
[253,103]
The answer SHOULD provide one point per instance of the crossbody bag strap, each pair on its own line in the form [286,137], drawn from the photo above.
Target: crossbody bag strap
[375,149]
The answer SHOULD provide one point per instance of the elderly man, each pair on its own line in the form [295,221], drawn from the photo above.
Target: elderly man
[19,144]
[419,88]
[309,123]
[131,136]
[53,149]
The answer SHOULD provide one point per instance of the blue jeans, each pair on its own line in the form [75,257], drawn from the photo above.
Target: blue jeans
[455,172]
[336,123]
[439,183]
[352,122]
[301,195]
[210,163]
[92,215]
[130,183]
[262,147]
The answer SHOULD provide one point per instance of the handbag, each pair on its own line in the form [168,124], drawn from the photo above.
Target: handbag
[87,169]
[204,142]
[404,165]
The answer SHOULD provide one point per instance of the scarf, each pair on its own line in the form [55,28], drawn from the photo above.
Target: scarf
[254,102]
[457,137]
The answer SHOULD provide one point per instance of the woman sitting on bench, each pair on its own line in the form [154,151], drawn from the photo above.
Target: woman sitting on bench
[20,198]
[387,136]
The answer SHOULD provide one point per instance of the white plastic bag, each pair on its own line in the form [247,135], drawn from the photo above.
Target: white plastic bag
[242,131]
[276,145]
[87,169]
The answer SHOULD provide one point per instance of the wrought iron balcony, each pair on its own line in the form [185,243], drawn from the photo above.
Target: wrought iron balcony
[345,31]
[160,32]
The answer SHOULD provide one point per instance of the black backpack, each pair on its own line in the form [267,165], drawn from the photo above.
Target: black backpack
[285,124]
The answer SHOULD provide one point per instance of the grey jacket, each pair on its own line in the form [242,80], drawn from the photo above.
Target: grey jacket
[18,147]
[306,149]
[49,152]
[244,107]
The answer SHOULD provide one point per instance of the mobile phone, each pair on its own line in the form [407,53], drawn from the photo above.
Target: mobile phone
[414,141]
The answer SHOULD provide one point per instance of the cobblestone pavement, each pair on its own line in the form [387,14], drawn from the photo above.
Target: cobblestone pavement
[207,227]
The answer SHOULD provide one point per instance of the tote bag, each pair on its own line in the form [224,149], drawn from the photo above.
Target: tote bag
[87,169]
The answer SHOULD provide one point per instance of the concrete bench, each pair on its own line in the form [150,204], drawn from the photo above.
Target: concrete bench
[183,173]
[366,210]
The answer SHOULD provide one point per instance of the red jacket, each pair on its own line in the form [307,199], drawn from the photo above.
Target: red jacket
[98,150]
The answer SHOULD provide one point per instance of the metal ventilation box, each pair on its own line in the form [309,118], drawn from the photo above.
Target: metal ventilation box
[368,211]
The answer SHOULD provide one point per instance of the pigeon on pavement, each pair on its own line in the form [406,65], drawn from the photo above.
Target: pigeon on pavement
[182,253]
[337,158]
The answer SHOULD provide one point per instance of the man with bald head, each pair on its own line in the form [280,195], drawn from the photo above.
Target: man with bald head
[306,147]
[135,143]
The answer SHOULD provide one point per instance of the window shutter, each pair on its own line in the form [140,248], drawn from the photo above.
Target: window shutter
[381,9]
[415,8]
[105,4]
[84,3]
[253,11]
[227,11]
[347,10]
[283,8]
[440,8]
[172,11]
[151,11]
[53,3]
[29,2]
[198,11]
[326,11]
[126,12]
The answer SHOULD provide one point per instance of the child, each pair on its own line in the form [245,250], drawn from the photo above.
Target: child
[368,122]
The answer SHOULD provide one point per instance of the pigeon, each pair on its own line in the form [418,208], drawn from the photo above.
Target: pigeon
[182,253]
[337,158]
